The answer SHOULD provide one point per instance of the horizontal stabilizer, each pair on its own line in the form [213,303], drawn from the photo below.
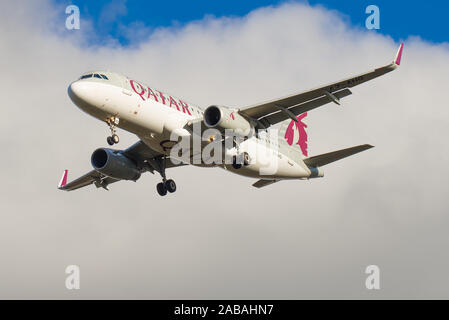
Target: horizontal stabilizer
[263,183]
[323,159]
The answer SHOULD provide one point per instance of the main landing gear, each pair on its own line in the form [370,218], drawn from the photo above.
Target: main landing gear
[166,185]
[239,160]
[113,123]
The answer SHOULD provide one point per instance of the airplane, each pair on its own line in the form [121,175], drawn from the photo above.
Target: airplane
[156,117]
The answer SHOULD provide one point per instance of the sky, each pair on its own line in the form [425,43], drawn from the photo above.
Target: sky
[217,237]
[399,19]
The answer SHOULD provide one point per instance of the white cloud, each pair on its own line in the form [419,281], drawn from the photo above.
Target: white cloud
[111,11]
[217,237]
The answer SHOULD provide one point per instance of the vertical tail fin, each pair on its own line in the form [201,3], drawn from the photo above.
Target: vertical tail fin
[294,133]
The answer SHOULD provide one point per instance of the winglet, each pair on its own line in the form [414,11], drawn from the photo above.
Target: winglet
[397,61]
[63,180]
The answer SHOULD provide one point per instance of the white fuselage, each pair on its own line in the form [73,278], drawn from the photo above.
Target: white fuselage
[154,116]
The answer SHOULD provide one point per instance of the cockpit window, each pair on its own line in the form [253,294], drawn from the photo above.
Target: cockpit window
[95,75]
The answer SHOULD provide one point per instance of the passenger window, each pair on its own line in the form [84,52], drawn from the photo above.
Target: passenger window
[97,76]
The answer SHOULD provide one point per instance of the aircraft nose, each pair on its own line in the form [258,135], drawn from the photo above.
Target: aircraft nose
[77,91]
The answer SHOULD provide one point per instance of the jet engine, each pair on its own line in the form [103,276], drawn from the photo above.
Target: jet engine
[223,118]
[114,164]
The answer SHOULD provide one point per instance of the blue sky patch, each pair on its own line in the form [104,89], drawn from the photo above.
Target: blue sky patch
[112,19]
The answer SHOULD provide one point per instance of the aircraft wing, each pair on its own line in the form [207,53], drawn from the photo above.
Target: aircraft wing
[85,180]
[272,112]
[146,158]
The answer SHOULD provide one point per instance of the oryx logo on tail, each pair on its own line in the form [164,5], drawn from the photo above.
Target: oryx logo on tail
[302,134]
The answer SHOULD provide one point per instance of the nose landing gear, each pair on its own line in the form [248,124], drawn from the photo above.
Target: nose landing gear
[113,139]
[113,123]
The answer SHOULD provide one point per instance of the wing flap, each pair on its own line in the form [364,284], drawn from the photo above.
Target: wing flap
[304,107]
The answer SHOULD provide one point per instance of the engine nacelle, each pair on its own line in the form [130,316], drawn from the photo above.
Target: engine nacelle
[224,118]
[114,164]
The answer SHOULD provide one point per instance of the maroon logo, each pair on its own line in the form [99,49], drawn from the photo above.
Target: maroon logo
[140,90]
[301,129]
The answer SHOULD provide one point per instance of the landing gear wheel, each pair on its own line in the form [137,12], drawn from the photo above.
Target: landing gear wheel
[170,185]
[235,163]
[161,189]
[115,138]
[110,141]
[245,158]
[113,123]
